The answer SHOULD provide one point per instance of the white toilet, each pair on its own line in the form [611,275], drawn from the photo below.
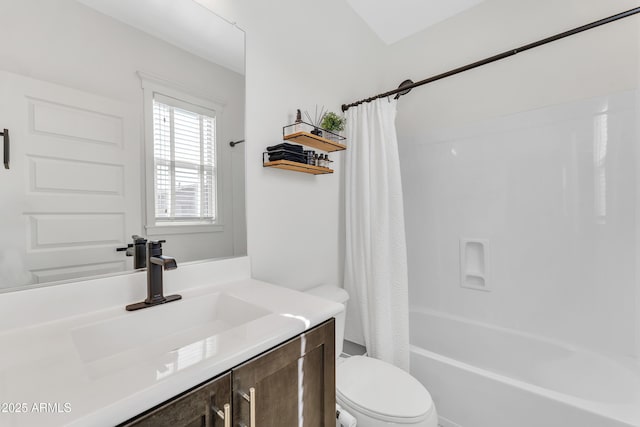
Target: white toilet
[376,393]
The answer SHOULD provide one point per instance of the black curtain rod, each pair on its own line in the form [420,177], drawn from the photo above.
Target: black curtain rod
[405,88]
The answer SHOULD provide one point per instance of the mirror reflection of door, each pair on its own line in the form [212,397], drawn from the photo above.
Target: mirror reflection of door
[67,198]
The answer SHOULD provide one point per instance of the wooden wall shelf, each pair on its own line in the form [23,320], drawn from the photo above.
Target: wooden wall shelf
[314,141]
[298,167]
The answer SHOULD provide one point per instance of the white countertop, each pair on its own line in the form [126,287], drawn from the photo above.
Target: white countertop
[45,372]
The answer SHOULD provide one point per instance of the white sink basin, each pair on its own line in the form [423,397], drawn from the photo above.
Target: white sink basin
[162,328]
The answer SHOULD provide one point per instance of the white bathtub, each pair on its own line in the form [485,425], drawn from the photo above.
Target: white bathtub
[484,376]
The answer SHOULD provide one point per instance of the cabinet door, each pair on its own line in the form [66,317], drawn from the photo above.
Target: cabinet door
[196,408]
[294,384]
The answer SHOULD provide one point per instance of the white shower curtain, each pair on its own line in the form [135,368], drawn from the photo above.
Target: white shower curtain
[376,255]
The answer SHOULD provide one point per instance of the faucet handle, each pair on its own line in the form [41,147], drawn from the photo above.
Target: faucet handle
[155,247]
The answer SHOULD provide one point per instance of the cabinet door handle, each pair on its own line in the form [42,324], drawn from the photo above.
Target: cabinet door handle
[251,398]
[225,416]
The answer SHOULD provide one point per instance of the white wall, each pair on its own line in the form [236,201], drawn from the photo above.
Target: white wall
[70,44]
[299,54]
[596,62]
[508,152]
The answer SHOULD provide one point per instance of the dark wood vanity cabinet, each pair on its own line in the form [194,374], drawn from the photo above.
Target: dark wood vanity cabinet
[196,408]
[294,384]
[288,386]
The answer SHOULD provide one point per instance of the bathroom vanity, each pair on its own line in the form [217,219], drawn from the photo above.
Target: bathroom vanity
[293,381]
[72,355]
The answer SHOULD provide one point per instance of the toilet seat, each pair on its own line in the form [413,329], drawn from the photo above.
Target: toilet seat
[382,391]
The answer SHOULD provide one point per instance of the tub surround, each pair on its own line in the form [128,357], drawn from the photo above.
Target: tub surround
[75,348]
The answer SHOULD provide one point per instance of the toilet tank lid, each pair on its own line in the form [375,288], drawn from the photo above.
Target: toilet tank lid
[330,292]
[381,390]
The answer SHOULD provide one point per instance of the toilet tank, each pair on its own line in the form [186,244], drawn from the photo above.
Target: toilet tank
[339,295]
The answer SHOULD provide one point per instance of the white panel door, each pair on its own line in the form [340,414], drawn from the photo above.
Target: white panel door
[72,194]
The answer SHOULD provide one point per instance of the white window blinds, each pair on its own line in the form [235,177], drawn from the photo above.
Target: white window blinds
[184,161]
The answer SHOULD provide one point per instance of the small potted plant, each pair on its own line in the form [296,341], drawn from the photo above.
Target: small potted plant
[333,123]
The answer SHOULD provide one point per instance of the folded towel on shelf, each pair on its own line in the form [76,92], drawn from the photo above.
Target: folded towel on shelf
[287,155]
[286,146]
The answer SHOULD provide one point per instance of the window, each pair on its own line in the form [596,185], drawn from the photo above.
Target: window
[184,154]
[182,184]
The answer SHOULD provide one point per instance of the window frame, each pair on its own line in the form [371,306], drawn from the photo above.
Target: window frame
[152,85]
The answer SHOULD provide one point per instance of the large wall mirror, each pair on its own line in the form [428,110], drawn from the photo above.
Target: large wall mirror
[119,116]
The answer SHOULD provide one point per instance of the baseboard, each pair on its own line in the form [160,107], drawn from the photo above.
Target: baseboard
[443,422]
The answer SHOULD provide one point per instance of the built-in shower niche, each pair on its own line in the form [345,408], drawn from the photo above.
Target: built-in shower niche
[474,264]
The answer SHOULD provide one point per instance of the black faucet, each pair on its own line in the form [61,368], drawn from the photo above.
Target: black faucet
[156,262]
